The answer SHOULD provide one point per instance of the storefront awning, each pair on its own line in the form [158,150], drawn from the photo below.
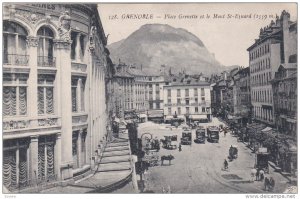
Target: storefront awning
[195,117]
[266,129]
[169,117]
[291,120]
[181,117]
[142,116]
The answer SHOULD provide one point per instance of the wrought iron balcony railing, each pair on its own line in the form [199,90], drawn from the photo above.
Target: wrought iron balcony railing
[15,59]
[45,61]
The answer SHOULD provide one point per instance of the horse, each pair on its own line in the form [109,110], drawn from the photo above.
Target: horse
[166,157]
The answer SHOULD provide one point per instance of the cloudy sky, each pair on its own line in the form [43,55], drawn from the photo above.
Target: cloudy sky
[228,38]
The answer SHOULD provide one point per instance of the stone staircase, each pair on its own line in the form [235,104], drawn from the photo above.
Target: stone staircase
[114,171]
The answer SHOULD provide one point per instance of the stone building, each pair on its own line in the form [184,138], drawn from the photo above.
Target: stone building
[277,44]
[241,95]
[285,99]
[123,90]
[187,98]
[55,67]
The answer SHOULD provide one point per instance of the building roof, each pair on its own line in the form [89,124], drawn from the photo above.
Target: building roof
[186,80]
[289,65]
[272,30]
[123,74]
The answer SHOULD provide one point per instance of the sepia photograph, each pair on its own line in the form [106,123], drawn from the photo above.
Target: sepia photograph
[157,98]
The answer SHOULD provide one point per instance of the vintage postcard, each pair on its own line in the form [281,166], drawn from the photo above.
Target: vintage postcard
[149,98]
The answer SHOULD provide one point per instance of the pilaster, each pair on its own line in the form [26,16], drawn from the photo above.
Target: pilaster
[63,48]
[33,148]
[32,44]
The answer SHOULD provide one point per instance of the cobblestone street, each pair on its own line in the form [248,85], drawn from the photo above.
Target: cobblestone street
[197,168]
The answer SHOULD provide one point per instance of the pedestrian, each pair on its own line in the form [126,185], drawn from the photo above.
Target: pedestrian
[257,175]
[267,184]
[272,184]
[179,147]
[225,164]
[253,172]
[262,174]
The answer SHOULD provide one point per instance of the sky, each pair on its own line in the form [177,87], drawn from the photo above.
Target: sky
[226,37]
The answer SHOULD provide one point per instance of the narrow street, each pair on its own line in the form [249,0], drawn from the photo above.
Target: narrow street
[197,168]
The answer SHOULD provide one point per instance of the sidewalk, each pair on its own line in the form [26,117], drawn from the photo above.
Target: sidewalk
[239,173]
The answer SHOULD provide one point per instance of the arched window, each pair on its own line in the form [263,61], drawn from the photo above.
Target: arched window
[14,44]
[45,47]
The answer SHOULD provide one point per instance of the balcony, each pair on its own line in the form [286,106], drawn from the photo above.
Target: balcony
[44,61]
[79,120]
[29,125]
[15,59]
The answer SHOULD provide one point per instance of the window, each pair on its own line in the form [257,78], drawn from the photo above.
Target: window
[14,94]
[78,89]
[150,79]
[202,92]
[178,93]
[77,46]
[157,105]
[169,101]
[187,102]
[15,163]
[203,109]
[178,101]
[179,110]
[45,47]
[14,44]
[45,94]
[169,92]
[187,110]
[169,111]
[196,101]
[151,106]
[195,92]
[75,149]
[46,157]
[186,92]
[196,109]
[203,99]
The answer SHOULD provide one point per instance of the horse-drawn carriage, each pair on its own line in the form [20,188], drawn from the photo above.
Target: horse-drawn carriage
[151,157]
[186,138]
[233,152]
[170,142]
[262,160]
[200,135]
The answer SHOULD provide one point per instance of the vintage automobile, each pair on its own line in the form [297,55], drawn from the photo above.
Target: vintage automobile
[233,152]
[200,135]
[213,134]
[170,142]
[262,160]
[186,138]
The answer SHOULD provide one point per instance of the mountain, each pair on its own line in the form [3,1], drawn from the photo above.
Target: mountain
[153,45]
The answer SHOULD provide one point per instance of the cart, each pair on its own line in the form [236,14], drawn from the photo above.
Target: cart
[151,158]
[186,138]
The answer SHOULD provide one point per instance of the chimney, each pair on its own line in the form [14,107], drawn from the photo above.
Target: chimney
[285,17]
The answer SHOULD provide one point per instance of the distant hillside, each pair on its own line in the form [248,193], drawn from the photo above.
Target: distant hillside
[154,45]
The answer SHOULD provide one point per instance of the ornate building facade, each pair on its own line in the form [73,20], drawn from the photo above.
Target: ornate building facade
[55,72]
